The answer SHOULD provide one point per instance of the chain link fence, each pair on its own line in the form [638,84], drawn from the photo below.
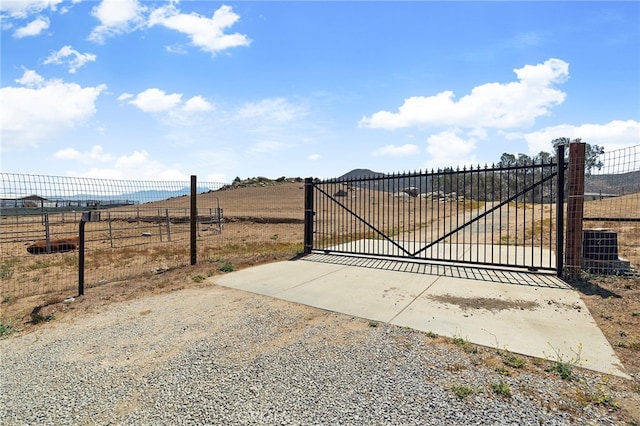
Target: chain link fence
[143,228]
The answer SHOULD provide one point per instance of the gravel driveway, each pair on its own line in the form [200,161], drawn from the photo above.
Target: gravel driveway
[220,356]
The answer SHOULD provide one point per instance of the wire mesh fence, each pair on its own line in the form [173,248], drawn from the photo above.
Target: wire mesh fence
[144,228]
[611,216]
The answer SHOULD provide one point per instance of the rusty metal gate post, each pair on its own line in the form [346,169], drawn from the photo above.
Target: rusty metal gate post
[575,209]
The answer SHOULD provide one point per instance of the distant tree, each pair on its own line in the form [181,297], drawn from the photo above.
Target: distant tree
[507,160]
[543,157]
[592,153]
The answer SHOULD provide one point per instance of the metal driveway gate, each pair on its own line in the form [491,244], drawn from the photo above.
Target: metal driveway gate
[503,216]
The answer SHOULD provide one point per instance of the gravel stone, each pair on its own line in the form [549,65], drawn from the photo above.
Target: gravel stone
[219,356]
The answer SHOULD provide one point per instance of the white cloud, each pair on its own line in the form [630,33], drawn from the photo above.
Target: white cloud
[116,17]
[197,104]
[205,33]
[24,8]
[177,49]
[273,109]
[33,28]
[125,96]
[137,166]
[448,149]
[30,78]
[396,151]
[41,109]
[314,157]
[70,57]
[493,105]
[614,135]
[156,100]
[96,154]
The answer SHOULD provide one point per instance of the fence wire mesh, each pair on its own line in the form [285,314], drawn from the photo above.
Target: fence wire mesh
[144,228]
[611,217]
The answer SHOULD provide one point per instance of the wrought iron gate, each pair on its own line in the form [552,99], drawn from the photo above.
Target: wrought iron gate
[510,215]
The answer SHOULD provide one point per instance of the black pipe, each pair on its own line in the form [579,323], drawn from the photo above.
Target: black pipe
[81,258]
[194,219]
[560,211]
[308,215]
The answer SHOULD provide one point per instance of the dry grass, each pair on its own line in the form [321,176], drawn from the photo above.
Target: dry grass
[260,231]
[257,220]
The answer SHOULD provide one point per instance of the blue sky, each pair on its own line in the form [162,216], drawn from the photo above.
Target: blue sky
[127,89]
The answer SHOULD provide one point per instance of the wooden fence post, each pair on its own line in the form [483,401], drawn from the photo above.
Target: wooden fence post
[575,209]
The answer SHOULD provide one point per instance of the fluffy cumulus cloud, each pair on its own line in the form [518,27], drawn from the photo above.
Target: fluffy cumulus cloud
[197,104]
[396,151]
[614,135]
[38,109]
[96,154]
[448,148]
[156,100]
[206,33]
[494,105]
[33,28]
[70,58]
[116,17]
[24,8]
[138,166]
[125,96]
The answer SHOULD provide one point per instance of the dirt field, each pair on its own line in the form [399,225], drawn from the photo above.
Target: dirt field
[265,225]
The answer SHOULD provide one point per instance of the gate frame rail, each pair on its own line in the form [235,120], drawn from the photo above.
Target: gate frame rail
[558,174]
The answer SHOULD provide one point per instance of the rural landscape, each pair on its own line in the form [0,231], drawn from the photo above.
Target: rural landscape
[420,213]
[263,221]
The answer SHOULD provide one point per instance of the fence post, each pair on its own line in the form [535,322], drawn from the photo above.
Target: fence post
[168,220]
[194,219]
[81,257]
[47,233]
[88,216]
[560,210]
[308,215]
[575,208]
[110,228]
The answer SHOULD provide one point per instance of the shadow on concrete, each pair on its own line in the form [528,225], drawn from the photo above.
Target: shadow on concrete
[506,276]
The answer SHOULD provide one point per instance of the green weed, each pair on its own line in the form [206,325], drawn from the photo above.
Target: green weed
[562,366]
[513,361]
[501,388]
[6,271]
[598,396]
[5,330]
[462,391]
[227,267]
